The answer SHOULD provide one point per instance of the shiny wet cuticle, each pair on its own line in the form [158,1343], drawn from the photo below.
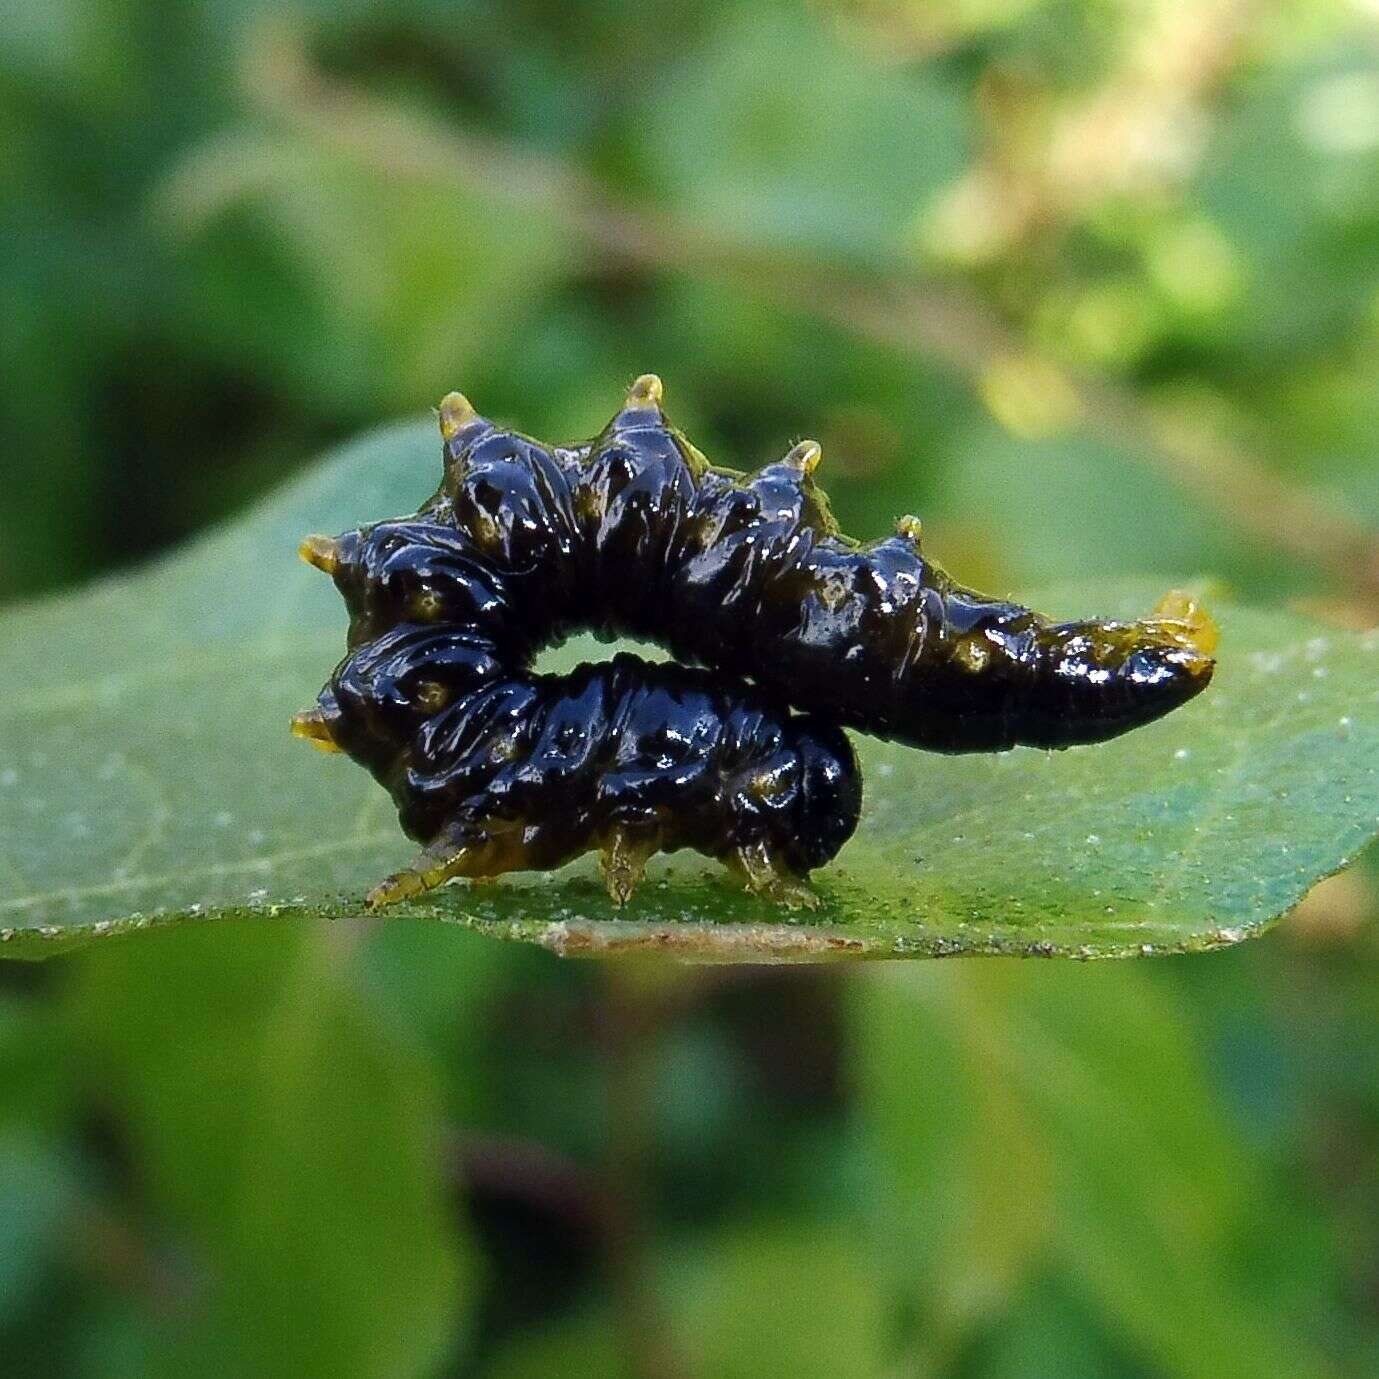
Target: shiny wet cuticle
[494,768]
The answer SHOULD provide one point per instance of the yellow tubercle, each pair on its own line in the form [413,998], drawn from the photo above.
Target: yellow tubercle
[456,411]
[321,553]
[1183,619]
[806,456]
[972,653]
[909,527]
[647,391]
[312,727]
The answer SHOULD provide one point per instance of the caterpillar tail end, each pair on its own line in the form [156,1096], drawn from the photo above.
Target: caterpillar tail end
[311,726]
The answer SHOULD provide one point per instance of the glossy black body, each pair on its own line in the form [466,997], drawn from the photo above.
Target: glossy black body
[634,534]
[665,752]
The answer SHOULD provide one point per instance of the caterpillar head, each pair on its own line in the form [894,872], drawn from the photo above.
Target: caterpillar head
[829,801]
[793,787]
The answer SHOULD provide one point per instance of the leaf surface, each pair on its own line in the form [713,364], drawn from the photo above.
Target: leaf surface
[147,777]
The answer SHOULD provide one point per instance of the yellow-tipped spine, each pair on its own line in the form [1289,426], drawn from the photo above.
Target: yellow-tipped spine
[911,528]
[310,725]
[806,457]
[1182,618]
[321,553]
[455,412]
[646,391]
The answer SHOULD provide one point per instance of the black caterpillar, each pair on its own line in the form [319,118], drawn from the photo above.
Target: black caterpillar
[497,769]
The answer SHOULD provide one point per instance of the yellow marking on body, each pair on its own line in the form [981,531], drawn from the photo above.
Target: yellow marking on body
[456,411]
[504,747]
[587,507]
[426,606]
[833,591]
[698,532]
[486,531]
[972,654]
[763,785]
[321,553]
[311,726]
[432,696]
[909,527]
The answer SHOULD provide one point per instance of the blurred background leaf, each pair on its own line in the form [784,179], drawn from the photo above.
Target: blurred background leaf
[293,1144]
[1108,1150]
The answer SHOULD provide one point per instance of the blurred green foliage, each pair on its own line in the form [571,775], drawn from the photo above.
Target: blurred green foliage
[1128,255]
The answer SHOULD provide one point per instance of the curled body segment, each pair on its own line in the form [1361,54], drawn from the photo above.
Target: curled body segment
[495,768]
[523,772]
[751,575]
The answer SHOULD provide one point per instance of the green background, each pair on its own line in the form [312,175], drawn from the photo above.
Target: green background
[1092,287]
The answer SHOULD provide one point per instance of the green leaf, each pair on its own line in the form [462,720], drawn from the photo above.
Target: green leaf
[147,777]
[36,1192]
[582,1347]
[770,1297]
[731,143]
[1142,1183]
[289,1142]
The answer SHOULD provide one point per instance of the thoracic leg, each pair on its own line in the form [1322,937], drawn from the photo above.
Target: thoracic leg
[477,853]
[766,875]
[427,870]
[623,856]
